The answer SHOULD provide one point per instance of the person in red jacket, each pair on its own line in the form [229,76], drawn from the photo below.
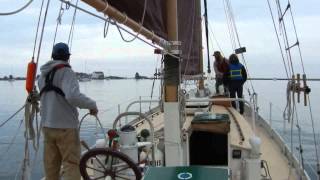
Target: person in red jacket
[220,67]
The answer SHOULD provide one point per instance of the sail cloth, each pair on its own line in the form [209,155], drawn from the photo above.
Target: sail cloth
[189,18]
[155,15]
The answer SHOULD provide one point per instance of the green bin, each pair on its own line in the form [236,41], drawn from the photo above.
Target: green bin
[187,173]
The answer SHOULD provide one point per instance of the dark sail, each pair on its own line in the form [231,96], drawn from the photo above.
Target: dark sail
[155,17]
[189,18]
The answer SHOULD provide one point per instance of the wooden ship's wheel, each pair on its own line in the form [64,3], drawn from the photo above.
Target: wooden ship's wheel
[105,163]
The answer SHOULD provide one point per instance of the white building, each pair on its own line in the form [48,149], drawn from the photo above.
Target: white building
[97,75]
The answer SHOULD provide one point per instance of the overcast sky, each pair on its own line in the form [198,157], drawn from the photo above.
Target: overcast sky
[92,52]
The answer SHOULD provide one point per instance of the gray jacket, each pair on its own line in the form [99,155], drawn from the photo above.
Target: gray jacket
[57,111]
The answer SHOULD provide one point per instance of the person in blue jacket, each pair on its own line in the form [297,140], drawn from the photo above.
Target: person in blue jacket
[234,78]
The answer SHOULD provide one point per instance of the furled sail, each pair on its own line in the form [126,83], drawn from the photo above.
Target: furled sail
[189,18]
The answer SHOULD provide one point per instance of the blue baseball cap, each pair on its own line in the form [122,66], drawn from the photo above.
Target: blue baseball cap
[60,49]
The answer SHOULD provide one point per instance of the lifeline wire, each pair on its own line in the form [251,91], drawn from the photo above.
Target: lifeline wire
[11,142]
[12,116]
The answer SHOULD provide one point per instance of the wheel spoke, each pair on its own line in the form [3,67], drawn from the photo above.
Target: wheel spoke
[107,159]
[126,178]
[101,164]
[122,169]
[95,169]
[99,177]
[111,166]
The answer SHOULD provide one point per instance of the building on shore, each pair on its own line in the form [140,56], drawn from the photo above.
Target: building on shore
[97,75]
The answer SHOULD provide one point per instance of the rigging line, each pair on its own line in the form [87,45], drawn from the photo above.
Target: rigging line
[299,136]
[232,21]
[278,38]
[298,42]
[106,28]
[287,54]
[286,40]
[287,110]
[231,35]
[314,134]
[141,24]
[214,38]
[292,122]
[283,32]
[151,96]
[12,116]
[37,31]
[211,39]
[124,29]
[58,22]
[70,38]
[295,113]
[42,32]
[238,39]
[16,11]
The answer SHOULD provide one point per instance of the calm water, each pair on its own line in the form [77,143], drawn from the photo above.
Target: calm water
[113,96]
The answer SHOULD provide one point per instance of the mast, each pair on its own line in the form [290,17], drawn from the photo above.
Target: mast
[207,35]
[172,127]
[198,13]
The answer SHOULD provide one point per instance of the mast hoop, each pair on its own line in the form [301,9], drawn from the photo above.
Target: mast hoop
[152,36]
[106,8]
[126,19]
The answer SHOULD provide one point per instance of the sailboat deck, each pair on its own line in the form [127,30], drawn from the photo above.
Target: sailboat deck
[278,165]
[270,151]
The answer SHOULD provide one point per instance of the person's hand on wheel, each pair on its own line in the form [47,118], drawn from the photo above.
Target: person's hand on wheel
[94,112]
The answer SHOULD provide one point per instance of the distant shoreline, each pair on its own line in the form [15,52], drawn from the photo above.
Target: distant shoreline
[79,75]
[106,78]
